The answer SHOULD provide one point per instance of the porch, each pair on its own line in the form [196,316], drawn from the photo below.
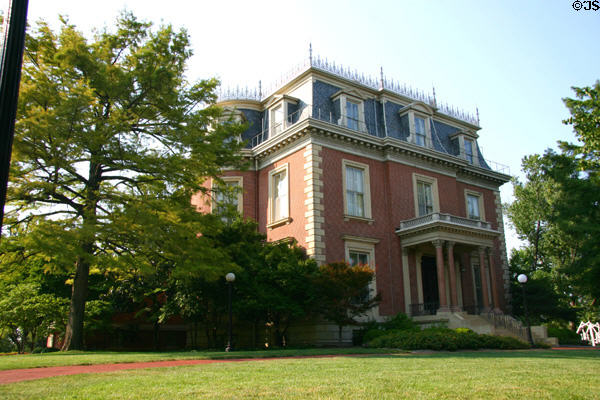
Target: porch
[449,266]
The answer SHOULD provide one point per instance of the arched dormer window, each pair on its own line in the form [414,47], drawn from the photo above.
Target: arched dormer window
[351,107]
[419,123]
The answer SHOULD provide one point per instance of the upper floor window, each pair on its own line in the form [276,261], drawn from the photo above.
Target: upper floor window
[419,123]
[279,194]
[424,198]
[474,204]
[469,150]
[420,132]
[425,195]
[228,197]
[279,110]
[276,120]
[352,109]
[357,202]
[352,115]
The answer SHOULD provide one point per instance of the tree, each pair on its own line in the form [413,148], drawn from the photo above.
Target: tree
[557,208]
[345,294]
[110,143]
[24,312]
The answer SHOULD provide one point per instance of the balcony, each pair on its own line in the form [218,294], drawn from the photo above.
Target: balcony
[439,226]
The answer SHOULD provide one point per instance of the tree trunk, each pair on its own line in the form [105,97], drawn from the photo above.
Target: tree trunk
[74,333]
[156,336]
[340,327]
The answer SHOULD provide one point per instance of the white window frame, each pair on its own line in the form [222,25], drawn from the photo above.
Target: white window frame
[286,218]
[434,192]
[343,121]
[366,189]
[470,160]
[412,115]
[363,245]
[479,196]
[239,180]
[281,102]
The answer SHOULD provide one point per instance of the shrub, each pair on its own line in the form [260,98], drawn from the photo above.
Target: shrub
[400,322]
[444,339]
[564,335]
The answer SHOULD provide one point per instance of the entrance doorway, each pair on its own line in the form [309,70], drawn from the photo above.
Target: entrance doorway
[431,299]
[478,290]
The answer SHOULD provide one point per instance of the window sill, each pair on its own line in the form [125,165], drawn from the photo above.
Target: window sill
[357,218]
[284,221]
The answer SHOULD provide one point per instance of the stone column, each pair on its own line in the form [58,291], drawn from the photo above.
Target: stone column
[494,281]
[439,261]
[452,272]
[484,281]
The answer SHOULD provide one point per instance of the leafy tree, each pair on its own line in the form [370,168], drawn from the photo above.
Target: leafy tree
[342,289]
[27,314]
[557,209]
[110,143]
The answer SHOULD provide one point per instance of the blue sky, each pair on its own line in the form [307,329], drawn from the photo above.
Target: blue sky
[514,60]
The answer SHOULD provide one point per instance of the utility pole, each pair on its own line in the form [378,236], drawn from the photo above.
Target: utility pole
[13,43]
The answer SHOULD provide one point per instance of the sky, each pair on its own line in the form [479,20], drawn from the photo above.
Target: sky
[514,61]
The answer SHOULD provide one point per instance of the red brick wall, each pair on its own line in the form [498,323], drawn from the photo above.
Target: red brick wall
[296,228]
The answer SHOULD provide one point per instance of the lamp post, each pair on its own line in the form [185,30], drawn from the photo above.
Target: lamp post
[522,278]
[230,278]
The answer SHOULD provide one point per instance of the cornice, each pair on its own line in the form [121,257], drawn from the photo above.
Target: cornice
[383,147]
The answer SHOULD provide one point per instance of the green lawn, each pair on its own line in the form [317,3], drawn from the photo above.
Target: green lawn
[488,375]
[104,357]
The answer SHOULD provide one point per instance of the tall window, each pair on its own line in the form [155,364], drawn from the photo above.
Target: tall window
[277,120]
[228,198]
[352,117]
[355,191]
[473,210]
[420,133]
[469,150]
[424,198]
[279,195]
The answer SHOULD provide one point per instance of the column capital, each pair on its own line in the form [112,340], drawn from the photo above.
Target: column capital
[483,249]
[405,251]
[450,244]
[437,243]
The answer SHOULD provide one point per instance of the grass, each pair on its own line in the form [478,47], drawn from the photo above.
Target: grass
[488,375]
[106,357]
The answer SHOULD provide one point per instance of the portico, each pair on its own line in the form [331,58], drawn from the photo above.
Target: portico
[448,265]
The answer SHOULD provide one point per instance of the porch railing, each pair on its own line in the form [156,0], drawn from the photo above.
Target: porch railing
[435,217]
[507,322]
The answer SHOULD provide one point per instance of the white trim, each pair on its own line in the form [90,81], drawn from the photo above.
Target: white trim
[406,281]
[434,191]
[272,173]
[366,188]
[480,202]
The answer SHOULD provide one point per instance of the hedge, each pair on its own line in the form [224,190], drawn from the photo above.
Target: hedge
[441,339]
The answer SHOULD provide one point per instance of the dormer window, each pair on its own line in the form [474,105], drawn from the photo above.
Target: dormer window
[466,145]
[276,120]
[419,123]
[420,133]
[352,115]
[352,109]
[469,150]
[279,114]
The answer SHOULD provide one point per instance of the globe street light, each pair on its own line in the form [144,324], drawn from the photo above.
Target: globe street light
[230,278]
[522,278]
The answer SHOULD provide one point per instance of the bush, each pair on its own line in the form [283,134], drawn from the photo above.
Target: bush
[564,335]
[400,322]
[444,339]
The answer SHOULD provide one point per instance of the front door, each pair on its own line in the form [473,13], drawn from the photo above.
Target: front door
[431,297]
